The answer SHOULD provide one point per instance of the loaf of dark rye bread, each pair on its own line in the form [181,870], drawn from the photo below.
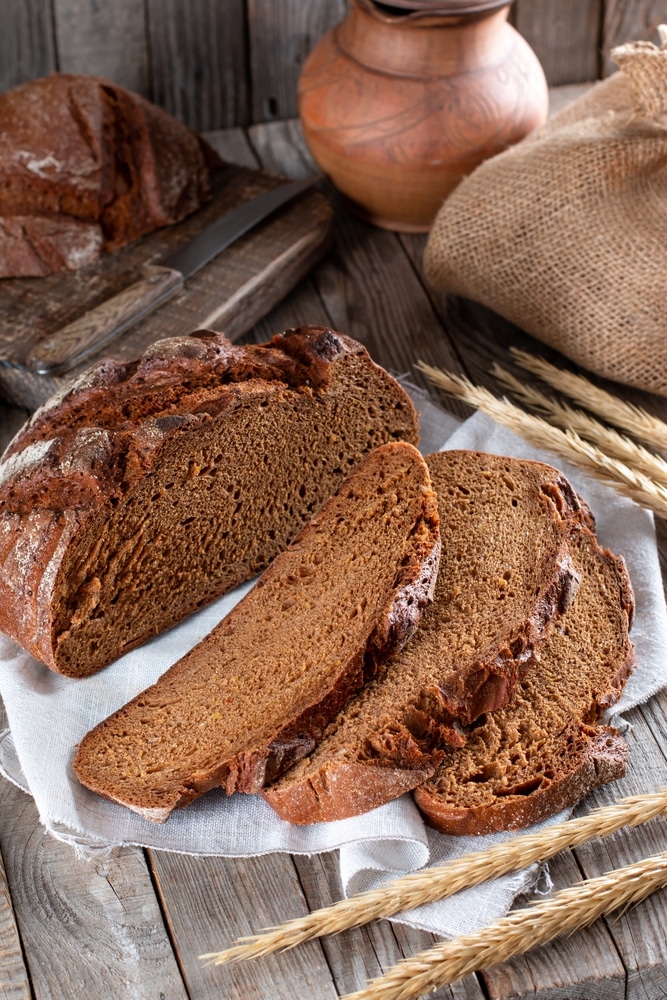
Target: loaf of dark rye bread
[87,165]
[545,751]
[505,571]
[257,693]
[146,490]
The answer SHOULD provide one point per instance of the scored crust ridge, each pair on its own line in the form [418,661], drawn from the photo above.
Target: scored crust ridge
[143,491]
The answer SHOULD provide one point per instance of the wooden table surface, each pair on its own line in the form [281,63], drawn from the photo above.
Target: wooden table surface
[133,923]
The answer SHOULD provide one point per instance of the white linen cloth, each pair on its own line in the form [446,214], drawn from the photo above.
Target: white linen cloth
[48,714]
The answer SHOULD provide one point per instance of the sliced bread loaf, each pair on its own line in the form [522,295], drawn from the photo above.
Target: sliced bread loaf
[257,693]
[545,752]
[505,571]
[86,164]
[147,490]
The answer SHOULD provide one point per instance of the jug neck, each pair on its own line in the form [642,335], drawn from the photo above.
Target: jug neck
[423,42]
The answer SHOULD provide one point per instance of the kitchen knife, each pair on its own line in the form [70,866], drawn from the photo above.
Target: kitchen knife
[72,344]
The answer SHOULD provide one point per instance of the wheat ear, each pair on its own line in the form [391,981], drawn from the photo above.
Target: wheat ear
[631,418]
[607,439]
[432,884]
[567,444]
[567,911]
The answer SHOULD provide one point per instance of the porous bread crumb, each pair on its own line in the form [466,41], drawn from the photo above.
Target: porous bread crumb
[257,693]
[505,571]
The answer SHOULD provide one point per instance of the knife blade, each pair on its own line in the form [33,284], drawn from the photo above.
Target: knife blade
[72,344]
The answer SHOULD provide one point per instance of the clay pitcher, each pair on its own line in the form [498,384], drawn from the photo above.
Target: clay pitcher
[397,105]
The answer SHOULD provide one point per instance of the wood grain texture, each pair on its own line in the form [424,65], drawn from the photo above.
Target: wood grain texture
[281,35]
[89,928]
[362,953]
[629,22]
[14,983]
[27,47]
[233,146]
[584,966]
[565,36]
[227,898]
[639,934]
[394,319]
[105,39]
[231,293]
[198,61]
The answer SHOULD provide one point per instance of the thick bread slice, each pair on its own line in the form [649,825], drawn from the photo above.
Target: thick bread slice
[149,489]
[505,571]
[544,752]
[257,693]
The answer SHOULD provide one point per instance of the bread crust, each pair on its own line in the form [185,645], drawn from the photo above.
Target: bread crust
[87,449]
[86,165]
[600,757]
[295,735]
[403,747]
[579,755]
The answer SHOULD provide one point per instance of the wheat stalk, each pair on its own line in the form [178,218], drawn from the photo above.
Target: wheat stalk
[432,884]
[569,445]
[607,439]
[631,418]
[566,912]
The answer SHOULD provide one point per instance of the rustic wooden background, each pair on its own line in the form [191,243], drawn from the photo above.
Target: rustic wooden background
[222,63]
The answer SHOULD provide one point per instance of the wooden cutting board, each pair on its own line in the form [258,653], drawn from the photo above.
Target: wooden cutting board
[230,294]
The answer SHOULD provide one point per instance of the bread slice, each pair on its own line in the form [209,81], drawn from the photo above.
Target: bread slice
[149,489]
[256,694]
[505,571]
[545,752]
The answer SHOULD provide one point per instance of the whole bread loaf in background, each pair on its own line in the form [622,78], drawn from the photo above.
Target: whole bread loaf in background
[505,571]
[146,490]
[546,751]
[86,165]
[256,694]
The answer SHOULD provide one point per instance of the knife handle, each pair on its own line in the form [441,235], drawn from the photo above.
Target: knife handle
[75,342]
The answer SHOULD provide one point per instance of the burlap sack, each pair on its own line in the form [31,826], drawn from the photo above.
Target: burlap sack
[565,234]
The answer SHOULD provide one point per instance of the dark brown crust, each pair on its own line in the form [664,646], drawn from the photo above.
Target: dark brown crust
[600,757]
[107,431]
[407,753]
[247,771]
[84,162]
[584,756]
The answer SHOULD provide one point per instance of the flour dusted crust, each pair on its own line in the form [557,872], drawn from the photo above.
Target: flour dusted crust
[546,751]
[506,571]
[257,693]
[86,165]
[145,490]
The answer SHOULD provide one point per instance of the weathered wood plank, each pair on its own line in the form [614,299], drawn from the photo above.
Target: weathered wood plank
[393,318]
[198,61]
[584,966]
[639,934]
[227,898]
[281,35]
[629,22]
[89,928]
[231,293]
[27,48]
[106,39]
[14,983]
[564,36]
[233,146]
[11,419]
[365,952]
